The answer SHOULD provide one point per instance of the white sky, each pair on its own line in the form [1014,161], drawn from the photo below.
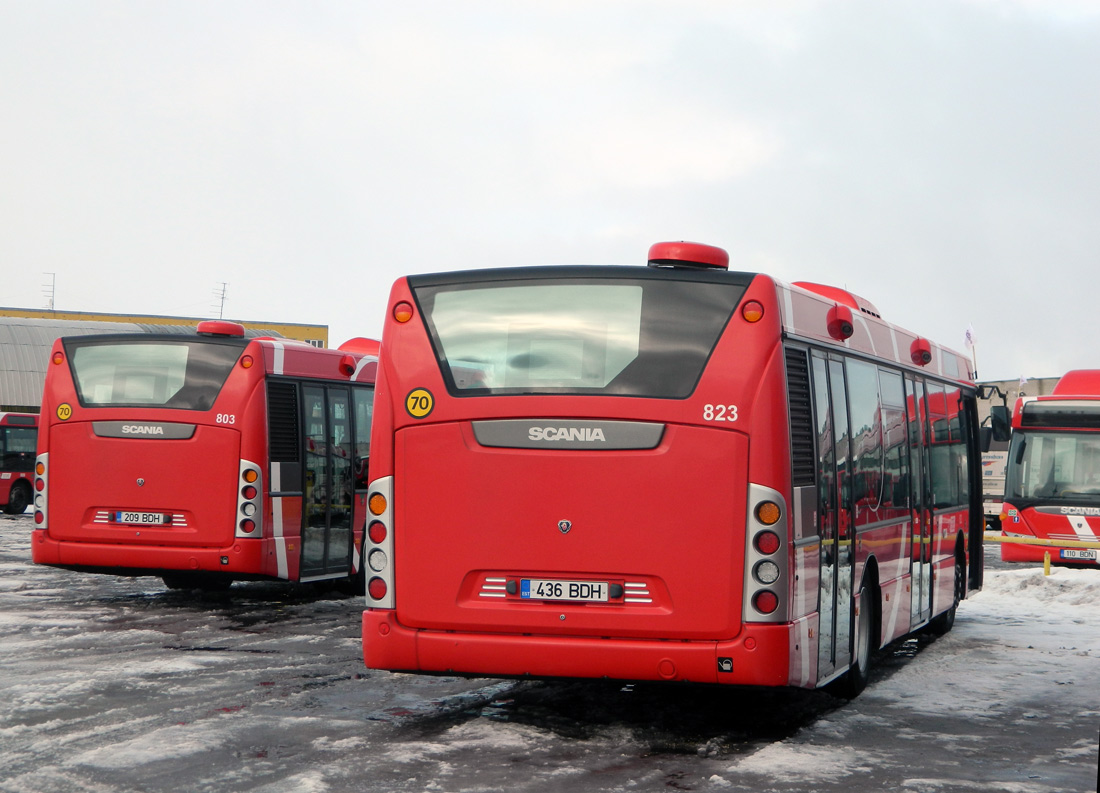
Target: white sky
[940,158]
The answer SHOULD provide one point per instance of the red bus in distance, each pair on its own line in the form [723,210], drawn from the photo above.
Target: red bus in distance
[204,458]
[18,435]
[1052,476]
[672,472]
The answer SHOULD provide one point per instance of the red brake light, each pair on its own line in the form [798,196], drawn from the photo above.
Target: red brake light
[376,588]
[377,532]
[767,542]
[249,492]
[765,601]
[248,526]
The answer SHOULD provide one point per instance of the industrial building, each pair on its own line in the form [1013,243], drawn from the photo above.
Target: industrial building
[27,335]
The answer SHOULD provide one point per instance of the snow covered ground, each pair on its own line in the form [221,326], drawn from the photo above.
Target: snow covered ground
[115,685]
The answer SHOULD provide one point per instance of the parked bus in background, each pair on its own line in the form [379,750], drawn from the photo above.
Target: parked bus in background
[672,472]
[1052,478]
[203,458]
[18,433]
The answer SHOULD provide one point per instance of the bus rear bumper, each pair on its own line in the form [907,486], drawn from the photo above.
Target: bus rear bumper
[1021,552]
[758,657]
[243,556]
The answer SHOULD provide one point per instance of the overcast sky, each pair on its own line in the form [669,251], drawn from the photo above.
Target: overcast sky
[939,158]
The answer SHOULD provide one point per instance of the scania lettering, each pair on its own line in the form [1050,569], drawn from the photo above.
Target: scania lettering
[671,472]
[216,457]
[587,434]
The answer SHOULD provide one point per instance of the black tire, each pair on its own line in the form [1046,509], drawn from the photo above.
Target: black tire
[865,623]
[18,499]
[942,623]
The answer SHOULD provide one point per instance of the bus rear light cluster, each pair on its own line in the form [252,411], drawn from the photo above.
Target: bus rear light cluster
[248,500]
[765,593]
[378,544]
[41,490]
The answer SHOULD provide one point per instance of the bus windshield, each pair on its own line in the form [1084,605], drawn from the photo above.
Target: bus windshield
[627,336]
[1054,465]
[187,375]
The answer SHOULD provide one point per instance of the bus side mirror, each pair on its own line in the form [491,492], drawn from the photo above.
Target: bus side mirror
[1001,423]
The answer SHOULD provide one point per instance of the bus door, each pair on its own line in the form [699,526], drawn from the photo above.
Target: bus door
[327,512]
[834,516]
[916,399]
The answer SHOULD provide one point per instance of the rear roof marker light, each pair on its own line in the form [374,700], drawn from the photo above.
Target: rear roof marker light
[690,255]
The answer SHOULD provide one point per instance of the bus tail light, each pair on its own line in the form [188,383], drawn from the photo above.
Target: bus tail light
[376,589]
[765,601]
[249,504]
[41,490]
[378,544]
[766,561]
[58,358]
[403,312]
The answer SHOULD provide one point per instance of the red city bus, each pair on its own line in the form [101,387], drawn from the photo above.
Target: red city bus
[672,472]
[18,433]
[203,458]
[1052,477]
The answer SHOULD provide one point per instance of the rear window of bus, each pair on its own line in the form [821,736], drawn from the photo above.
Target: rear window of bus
[187,375]
[646,335]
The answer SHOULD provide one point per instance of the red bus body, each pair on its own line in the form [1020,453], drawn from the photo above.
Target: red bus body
[255,469]
[668,524]
[1052,477]
[18,433]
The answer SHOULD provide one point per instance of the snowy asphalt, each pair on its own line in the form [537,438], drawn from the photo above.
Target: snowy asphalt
[113,685]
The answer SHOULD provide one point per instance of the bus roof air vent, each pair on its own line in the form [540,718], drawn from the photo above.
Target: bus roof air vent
[690,255]
[219,327]
[841,296]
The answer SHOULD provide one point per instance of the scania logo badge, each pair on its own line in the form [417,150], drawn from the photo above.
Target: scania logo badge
[564,526]
[141,483]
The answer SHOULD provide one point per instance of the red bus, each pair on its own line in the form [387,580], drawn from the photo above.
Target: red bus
[672,472]
[1052,478]
[203,458]
[18,433]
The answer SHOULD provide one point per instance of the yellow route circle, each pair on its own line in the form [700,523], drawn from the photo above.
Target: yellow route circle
[419,403]
[64,411]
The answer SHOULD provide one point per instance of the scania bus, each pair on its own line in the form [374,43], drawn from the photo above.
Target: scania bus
[203,458]
[1052,479]
[18,434]
[672,472]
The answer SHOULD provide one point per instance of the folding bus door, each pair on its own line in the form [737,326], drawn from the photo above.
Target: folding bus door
[327,512]
[834,516]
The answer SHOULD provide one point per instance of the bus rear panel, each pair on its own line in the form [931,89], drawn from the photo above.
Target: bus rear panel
[589,472]
[194,458]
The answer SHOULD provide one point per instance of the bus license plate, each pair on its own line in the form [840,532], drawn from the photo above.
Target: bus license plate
[541,589]
[1079,554]
[141,518]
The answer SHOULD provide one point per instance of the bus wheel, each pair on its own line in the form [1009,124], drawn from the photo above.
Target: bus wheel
[942,623]
[858,674]
[18,499]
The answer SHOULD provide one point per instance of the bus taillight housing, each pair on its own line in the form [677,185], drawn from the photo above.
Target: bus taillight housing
[249,500]
[768,580]
[378,544]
